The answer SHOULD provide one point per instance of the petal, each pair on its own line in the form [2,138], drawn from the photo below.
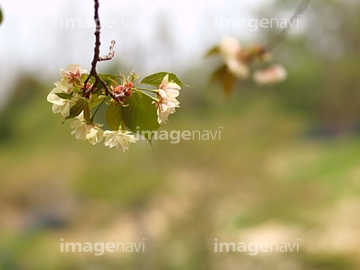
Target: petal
[173,86]
[229,47]
[238,68]
[165,81]
[65,109]
[55,99]
[172,92]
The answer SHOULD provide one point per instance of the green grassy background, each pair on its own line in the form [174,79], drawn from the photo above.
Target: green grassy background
[287,168]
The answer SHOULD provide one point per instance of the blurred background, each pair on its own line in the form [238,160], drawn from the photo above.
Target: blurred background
[287,167]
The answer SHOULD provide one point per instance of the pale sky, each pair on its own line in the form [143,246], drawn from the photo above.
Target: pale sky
[37,35]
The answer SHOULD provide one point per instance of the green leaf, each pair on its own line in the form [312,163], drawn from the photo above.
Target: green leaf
[64,95]
[113,116]
[213,51]
[87,113]
[227,80]
[156,79]
[84,77]
[140,115]
[77,108]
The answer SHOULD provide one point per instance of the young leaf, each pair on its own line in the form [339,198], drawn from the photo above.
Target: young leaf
[110,79]
[228,83]
[156,79]
[219,73]
[77,108]
[113,116]
[140,115]
[87,113]
[64,95]
[213,51]
[227,80]
[84,77]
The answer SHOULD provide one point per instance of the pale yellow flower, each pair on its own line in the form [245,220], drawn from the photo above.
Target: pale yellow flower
[231,52]
[84,131]
[72,74]
[271,75]
[120,139]
[60,105]
[168,92]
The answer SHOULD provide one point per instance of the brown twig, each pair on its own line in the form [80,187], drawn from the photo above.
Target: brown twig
[97,58]
[280,36]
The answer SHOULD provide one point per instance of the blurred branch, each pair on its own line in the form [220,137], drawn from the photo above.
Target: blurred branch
[280,36]
[97,58]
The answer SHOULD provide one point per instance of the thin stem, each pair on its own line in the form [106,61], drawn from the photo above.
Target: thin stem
[276,40]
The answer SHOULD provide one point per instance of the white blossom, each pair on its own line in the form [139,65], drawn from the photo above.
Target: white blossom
[60,105]
[238,68]
[229,47]
[120,139]
[72,74]
[84,131]
[167,102]
[231,52]
[271,75]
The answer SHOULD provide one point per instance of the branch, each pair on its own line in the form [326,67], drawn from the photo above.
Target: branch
[280,36]
[97,58]
[110,54]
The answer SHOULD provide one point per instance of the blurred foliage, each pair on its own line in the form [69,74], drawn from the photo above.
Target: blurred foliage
[1,16]
[327,91]
[287,167]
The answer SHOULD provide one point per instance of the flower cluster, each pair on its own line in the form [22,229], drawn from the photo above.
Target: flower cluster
[92,132]
[87,131]
[69,86]
[129,105]
[121,92]
[238,60]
